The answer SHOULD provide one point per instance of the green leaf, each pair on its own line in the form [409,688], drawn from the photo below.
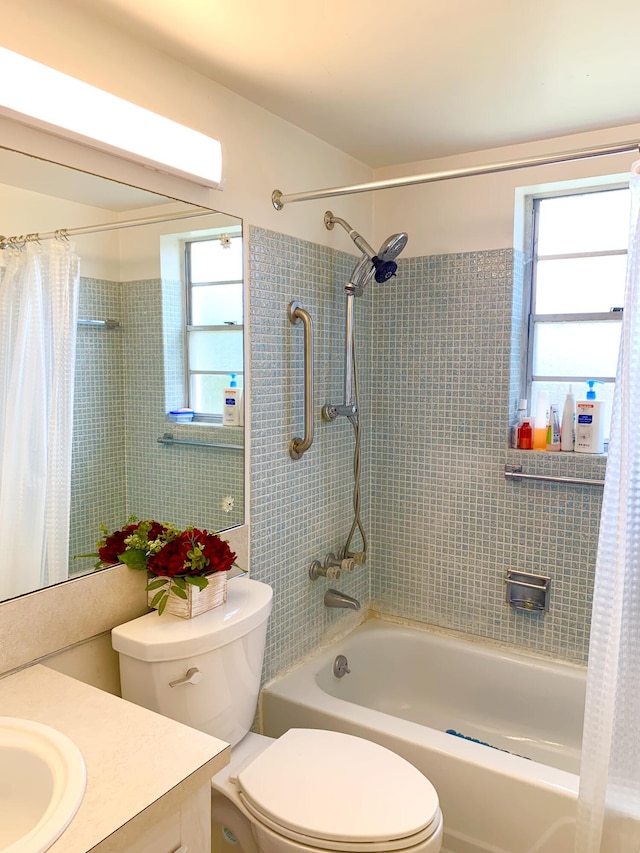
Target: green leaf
[158,597]
[179,582]
[156,584]
[198,580]
[180,593]
[163,604]
[134,559]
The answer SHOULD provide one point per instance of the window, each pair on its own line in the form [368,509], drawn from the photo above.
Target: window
[214,330]
[577,288]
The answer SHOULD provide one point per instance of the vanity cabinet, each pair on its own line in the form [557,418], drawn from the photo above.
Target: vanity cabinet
[180,822]
[148,777]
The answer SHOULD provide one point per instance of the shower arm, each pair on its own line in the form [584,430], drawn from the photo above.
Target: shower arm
[330,220]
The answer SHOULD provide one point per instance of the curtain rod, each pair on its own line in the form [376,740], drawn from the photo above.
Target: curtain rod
[65,233]
[279,199]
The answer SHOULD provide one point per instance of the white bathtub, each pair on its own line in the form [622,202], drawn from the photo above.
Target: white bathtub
[407,686]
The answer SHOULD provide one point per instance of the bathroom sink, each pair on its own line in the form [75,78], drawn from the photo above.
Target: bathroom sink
[42,782]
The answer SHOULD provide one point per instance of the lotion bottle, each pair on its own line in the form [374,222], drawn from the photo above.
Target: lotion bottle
[568,426]
[232,404]
[590,422]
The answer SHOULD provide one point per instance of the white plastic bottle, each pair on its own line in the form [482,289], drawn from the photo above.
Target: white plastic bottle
[232,404]
[568,425]
[590,422]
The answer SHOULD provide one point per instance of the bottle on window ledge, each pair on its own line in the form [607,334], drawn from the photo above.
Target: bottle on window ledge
[590,422]
[525,435]
[232,404]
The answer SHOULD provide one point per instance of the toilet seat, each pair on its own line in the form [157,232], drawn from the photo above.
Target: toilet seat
[331,791]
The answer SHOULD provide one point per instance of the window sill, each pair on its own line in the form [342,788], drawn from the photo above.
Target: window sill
[580,465]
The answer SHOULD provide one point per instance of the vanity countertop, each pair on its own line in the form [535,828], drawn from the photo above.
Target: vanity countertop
[133,756]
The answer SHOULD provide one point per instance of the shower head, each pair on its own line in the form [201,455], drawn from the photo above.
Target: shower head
[384,263]
[380,266]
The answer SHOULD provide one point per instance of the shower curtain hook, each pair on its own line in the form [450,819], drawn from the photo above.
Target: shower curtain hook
[62,234]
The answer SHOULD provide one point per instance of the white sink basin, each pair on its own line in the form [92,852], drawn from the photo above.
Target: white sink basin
[42,782]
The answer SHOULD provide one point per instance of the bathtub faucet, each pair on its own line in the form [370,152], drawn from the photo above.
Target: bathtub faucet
[333,598]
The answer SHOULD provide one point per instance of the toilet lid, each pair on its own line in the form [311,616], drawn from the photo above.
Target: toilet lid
[325,786]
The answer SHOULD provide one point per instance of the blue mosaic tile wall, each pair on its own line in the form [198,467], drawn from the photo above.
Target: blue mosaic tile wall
[446,524]
[300,510]
[118,467]
[439,385]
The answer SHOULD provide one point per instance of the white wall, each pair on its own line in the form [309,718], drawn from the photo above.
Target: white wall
[477,213]
[261,151]
[24,211]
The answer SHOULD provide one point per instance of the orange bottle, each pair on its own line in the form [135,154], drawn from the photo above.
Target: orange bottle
[525,435]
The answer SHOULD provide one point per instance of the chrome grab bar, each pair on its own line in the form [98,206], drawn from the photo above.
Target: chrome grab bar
[168,438]
[516,473]
[298,446]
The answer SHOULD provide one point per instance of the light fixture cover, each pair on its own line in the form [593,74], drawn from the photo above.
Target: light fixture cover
[42,97]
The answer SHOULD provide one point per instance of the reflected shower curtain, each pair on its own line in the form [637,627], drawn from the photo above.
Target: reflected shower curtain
[609,800]
[38,318]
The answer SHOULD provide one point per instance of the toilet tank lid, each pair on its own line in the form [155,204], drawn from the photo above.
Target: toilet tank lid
[167,637]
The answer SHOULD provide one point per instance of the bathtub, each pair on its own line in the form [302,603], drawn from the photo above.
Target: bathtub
[408,687]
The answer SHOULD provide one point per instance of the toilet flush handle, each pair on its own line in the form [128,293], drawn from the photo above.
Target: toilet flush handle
[191,676]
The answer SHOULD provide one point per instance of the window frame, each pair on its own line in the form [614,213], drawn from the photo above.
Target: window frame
[530,284]
[188,327]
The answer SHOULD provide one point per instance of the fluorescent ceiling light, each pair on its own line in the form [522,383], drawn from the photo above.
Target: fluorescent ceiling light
[42,97]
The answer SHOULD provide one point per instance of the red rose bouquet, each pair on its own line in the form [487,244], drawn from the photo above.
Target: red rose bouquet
[172,558]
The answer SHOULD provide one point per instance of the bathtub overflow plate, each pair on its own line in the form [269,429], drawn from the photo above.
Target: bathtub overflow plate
[341,666]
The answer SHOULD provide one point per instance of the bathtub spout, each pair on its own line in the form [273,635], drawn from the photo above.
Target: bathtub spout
[333,598]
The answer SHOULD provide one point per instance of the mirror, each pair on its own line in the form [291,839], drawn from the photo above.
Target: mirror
[130,456]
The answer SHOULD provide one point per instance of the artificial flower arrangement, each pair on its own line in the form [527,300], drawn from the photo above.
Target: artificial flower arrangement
[172,558]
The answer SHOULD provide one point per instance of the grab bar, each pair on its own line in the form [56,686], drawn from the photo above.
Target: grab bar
[298,446]
[516,473]
[102,324]
[168,438]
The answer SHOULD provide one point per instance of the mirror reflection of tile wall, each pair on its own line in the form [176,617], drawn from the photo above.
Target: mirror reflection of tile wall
[119,468]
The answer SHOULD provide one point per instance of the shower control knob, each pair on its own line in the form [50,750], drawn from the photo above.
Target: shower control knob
[331,572]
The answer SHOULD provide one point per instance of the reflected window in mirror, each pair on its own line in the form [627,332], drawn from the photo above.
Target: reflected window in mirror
[214,322]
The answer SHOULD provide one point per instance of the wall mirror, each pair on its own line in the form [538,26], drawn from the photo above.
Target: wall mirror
[134,365]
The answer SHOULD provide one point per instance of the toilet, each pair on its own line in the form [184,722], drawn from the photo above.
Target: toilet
[309,790]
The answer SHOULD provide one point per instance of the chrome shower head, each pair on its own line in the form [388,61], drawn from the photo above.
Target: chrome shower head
[392,246]
[380,266]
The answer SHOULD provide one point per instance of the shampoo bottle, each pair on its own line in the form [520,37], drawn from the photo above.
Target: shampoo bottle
[590,422]
[568,426]
[232,404]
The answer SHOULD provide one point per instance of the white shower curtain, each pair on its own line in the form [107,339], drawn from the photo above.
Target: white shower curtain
[38,318]
[609,800]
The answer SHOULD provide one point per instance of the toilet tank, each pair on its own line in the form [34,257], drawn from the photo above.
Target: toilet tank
[225,646]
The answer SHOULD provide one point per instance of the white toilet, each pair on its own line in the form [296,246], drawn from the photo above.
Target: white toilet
[308,791]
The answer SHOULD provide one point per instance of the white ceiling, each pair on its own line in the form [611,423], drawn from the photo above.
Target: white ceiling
[415,79]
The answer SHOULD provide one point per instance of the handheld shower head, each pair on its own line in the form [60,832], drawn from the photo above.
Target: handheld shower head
[384,263]
[380,266]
